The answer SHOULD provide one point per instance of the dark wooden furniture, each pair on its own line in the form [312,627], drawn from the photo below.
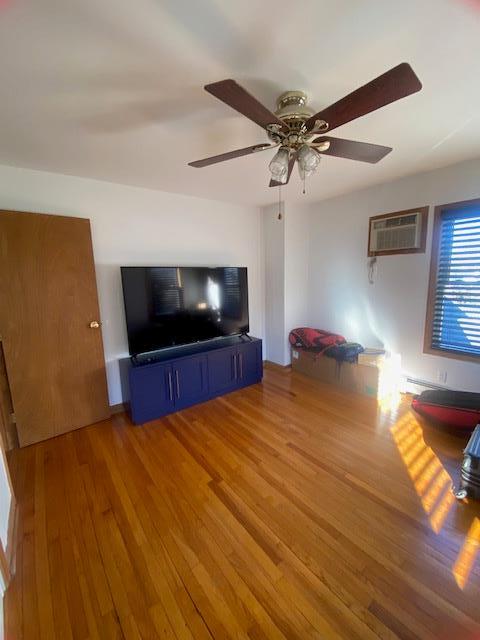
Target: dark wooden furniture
[181,377]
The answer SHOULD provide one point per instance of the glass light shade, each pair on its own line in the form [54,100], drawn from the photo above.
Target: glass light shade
[308,159]
[279,165]
[303,173]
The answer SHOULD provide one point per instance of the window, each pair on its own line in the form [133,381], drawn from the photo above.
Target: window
[453,308]
[233,293]
[166,289]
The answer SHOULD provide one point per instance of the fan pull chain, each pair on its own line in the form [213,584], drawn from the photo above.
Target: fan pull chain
[279,202]
[303,184]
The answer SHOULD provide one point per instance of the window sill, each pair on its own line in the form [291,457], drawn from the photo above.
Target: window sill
[455,355]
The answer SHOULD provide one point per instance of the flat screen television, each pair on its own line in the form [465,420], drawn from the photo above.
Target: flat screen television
[168,306]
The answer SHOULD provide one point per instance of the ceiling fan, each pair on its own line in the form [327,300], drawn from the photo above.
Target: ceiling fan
[294,127]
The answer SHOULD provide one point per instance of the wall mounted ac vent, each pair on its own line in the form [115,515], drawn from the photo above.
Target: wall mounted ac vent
[395,233]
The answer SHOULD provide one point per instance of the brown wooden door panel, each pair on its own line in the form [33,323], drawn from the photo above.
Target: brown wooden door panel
[7,428]
[48,296]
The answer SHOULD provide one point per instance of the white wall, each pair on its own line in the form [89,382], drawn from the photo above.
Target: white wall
[274,256]
[139,226]
[2,625]
[286,247]
[5,501]
[392,311]
[297,257]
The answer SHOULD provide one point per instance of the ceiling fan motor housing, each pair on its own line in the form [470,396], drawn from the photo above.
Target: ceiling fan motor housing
[293,110]
[292,105]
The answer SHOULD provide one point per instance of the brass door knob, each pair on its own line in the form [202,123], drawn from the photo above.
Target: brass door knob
[94,324]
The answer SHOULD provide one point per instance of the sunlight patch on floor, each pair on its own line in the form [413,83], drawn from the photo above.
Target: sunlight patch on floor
[389,384]
[432,484]
[468,553]
[429,477]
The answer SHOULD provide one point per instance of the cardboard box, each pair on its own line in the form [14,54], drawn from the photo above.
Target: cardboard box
[364,377]
[375,360]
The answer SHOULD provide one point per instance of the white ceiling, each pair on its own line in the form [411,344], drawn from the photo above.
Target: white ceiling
[113,89]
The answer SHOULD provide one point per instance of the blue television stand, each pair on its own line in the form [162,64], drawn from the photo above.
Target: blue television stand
[155,385]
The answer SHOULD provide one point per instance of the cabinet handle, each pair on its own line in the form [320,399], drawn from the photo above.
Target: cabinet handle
[170,391]
[240,357]
[178,383]
[235,374]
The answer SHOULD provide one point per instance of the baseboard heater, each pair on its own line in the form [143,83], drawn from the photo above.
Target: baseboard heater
[426,384]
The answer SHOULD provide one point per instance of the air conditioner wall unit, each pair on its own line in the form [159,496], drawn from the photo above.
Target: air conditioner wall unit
[396,233]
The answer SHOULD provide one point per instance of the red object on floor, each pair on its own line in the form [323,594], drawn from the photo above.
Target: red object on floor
[460,410]
[313,339]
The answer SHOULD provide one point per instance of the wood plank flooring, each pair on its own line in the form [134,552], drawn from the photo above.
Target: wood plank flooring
[290,509]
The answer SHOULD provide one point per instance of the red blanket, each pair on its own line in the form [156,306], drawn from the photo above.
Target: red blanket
[314,339]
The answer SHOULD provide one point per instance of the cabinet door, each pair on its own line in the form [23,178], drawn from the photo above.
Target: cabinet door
[222,371]
[250,362]
[151,392]
[190,384]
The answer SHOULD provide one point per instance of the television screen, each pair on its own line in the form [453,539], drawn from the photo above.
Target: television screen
[167,306]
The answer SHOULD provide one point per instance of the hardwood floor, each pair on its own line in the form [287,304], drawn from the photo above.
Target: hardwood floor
[286,510]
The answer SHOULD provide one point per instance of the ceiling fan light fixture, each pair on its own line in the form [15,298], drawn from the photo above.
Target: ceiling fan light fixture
[304,173]
[279,165]
[308,160]
[294,127]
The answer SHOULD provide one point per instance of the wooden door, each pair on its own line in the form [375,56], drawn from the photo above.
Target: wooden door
[8,431]
[48,298]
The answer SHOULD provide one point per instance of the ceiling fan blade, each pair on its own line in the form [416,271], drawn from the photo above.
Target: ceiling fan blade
[352,150]
[397,83]
[231,154]
[291,164]
[231,93]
